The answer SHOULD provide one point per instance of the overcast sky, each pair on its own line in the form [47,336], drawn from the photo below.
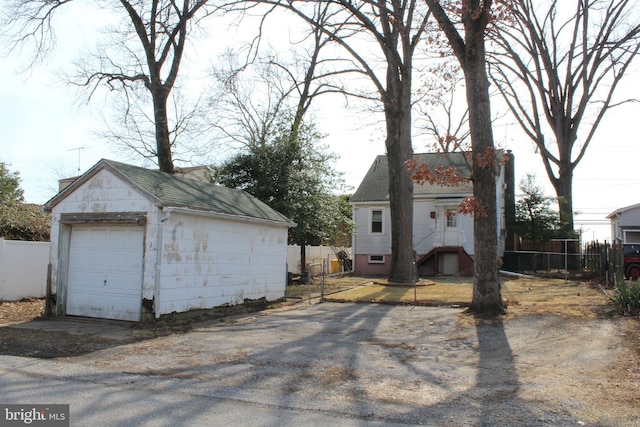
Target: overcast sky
[47,135]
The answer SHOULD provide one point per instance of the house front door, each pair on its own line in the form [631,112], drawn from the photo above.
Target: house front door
[451,233]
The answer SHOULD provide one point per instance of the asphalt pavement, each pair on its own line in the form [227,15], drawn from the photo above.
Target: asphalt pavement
[319,365]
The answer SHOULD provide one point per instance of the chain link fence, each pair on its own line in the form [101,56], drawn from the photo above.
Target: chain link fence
[322,279]
[597,260]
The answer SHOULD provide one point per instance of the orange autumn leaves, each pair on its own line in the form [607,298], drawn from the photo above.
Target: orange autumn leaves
[452,176]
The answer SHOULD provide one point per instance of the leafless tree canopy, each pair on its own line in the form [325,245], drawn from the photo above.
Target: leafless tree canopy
[396,29]
[558,64]
[143,55]
[253,95]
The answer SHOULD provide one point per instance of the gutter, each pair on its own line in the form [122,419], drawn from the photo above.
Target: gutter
[228,217]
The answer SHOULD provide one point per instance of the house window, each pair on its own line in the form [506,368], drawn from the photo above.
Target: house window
[376,221]
[376,259]
[452,218]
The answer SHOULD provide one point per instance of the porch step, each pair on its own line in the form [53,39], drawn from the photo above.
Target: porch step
[431,262]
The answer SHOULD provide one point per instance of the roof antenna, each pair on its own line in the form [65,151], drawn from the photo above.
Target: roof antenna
[79,150]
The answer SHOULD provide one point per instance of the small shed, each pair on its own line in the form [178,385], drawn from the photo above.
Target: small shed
[130,243]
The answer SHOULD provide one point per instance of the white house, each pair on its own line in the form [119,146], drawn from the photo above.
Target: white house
[442,237]
[129,243]
[625,224]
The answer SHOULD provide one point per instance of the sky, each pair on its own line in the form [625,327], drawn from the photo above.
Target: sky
[48,134]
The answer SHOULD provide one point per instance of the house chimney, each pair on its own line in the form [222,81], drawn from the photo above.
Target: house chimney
[509,199]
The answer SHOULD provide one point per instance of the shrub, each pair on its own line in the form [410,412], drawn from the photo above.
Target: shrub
[626,298]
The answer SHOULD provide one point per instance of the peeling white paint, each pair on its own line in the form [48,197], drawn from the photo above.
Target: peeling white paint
[191,260]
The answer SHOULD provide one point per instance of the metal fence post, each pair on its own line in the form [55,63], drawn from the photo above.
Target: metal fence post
[322,275]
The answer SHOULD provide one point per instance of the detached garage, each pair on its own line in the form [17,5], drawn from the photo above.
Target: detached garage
[129,243]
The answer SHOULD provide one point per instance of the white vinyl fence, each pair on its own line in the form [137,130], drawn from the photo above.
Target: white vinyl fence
[314,255]
[23,269]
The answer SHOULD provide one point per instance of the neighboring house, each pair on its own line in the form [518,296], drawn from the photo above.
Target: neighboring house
[130,243]
[443,238]
[625,228]
[625,224]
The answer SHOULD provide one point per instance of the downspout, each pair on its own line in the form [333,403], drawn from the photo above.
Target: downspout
[353,240]
[158,267]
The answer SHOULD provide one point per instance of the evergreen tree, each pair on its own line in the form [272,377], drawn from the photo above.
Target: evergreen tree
[535,219]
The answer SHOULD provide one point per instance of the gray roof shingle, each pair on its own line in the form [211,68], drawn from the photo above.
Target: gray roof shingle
[168,190]
[375,185]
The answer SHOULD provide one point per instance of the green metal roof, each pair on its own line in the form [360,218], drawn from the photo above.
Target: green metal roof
[375,185]
[167,190]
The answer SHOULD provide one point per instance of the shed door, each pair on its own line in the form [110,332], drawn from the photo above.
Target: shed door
[105,271]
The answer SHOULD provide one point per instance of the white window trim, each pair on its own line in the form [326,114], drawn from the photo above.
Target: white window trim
[370,223]
[453,218]
[372,261]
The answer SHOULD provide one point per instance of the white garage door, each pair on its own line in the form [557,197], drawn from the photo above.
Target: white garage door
[105,271]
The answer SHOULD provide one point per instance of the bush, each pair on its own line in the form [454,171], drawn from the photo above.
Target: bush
[626,298]
[24,221]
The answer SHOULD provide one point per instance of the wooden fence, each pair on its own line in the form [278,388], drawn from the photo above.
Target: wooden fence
[607,259]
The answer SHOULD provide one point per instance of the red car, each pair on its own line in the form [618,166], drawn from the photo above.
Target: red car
[631,261]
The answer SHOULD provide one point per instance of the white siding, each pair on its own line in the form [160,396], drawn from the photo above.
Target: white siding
[207,262]
[372,243]
[192,260]
[427,231]
[314,255]
[424,227]
[630,218]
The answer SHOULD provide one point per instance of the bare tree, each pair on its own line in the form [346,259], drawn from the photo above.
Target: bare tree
[253,95]
[469,49]
[150,49]
[439,116]
[284,167]
[558,65]
[396,27]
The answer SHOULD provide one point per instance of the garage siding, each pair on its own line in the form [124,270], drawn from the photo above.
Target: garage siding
[209,262]
[191,258]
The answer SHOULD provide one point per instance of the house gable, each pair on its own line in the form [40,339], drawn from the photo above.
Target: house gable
[625,224]
[627,217]
[166,190]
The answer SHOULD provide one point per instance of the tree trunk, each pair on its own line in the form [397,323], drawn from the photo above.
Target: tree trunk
[564,192]
[487,299]
[397,106]
[163,139]
[303,263]
[563,186]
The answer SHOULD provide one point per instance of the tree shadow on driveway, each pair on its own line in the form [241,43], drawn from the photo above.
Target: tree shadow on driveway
[376,364]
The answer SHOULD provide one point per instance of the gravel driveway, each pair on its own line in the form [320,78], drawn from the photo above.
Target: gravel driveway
[398,365]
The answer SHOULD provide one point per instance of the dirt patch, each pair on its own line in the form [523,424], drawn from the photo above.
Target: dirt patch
[20,311]
[25,332]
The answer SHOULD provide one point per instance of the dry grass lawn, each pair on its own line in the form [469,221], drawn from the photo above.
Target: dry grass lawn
[522,295]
